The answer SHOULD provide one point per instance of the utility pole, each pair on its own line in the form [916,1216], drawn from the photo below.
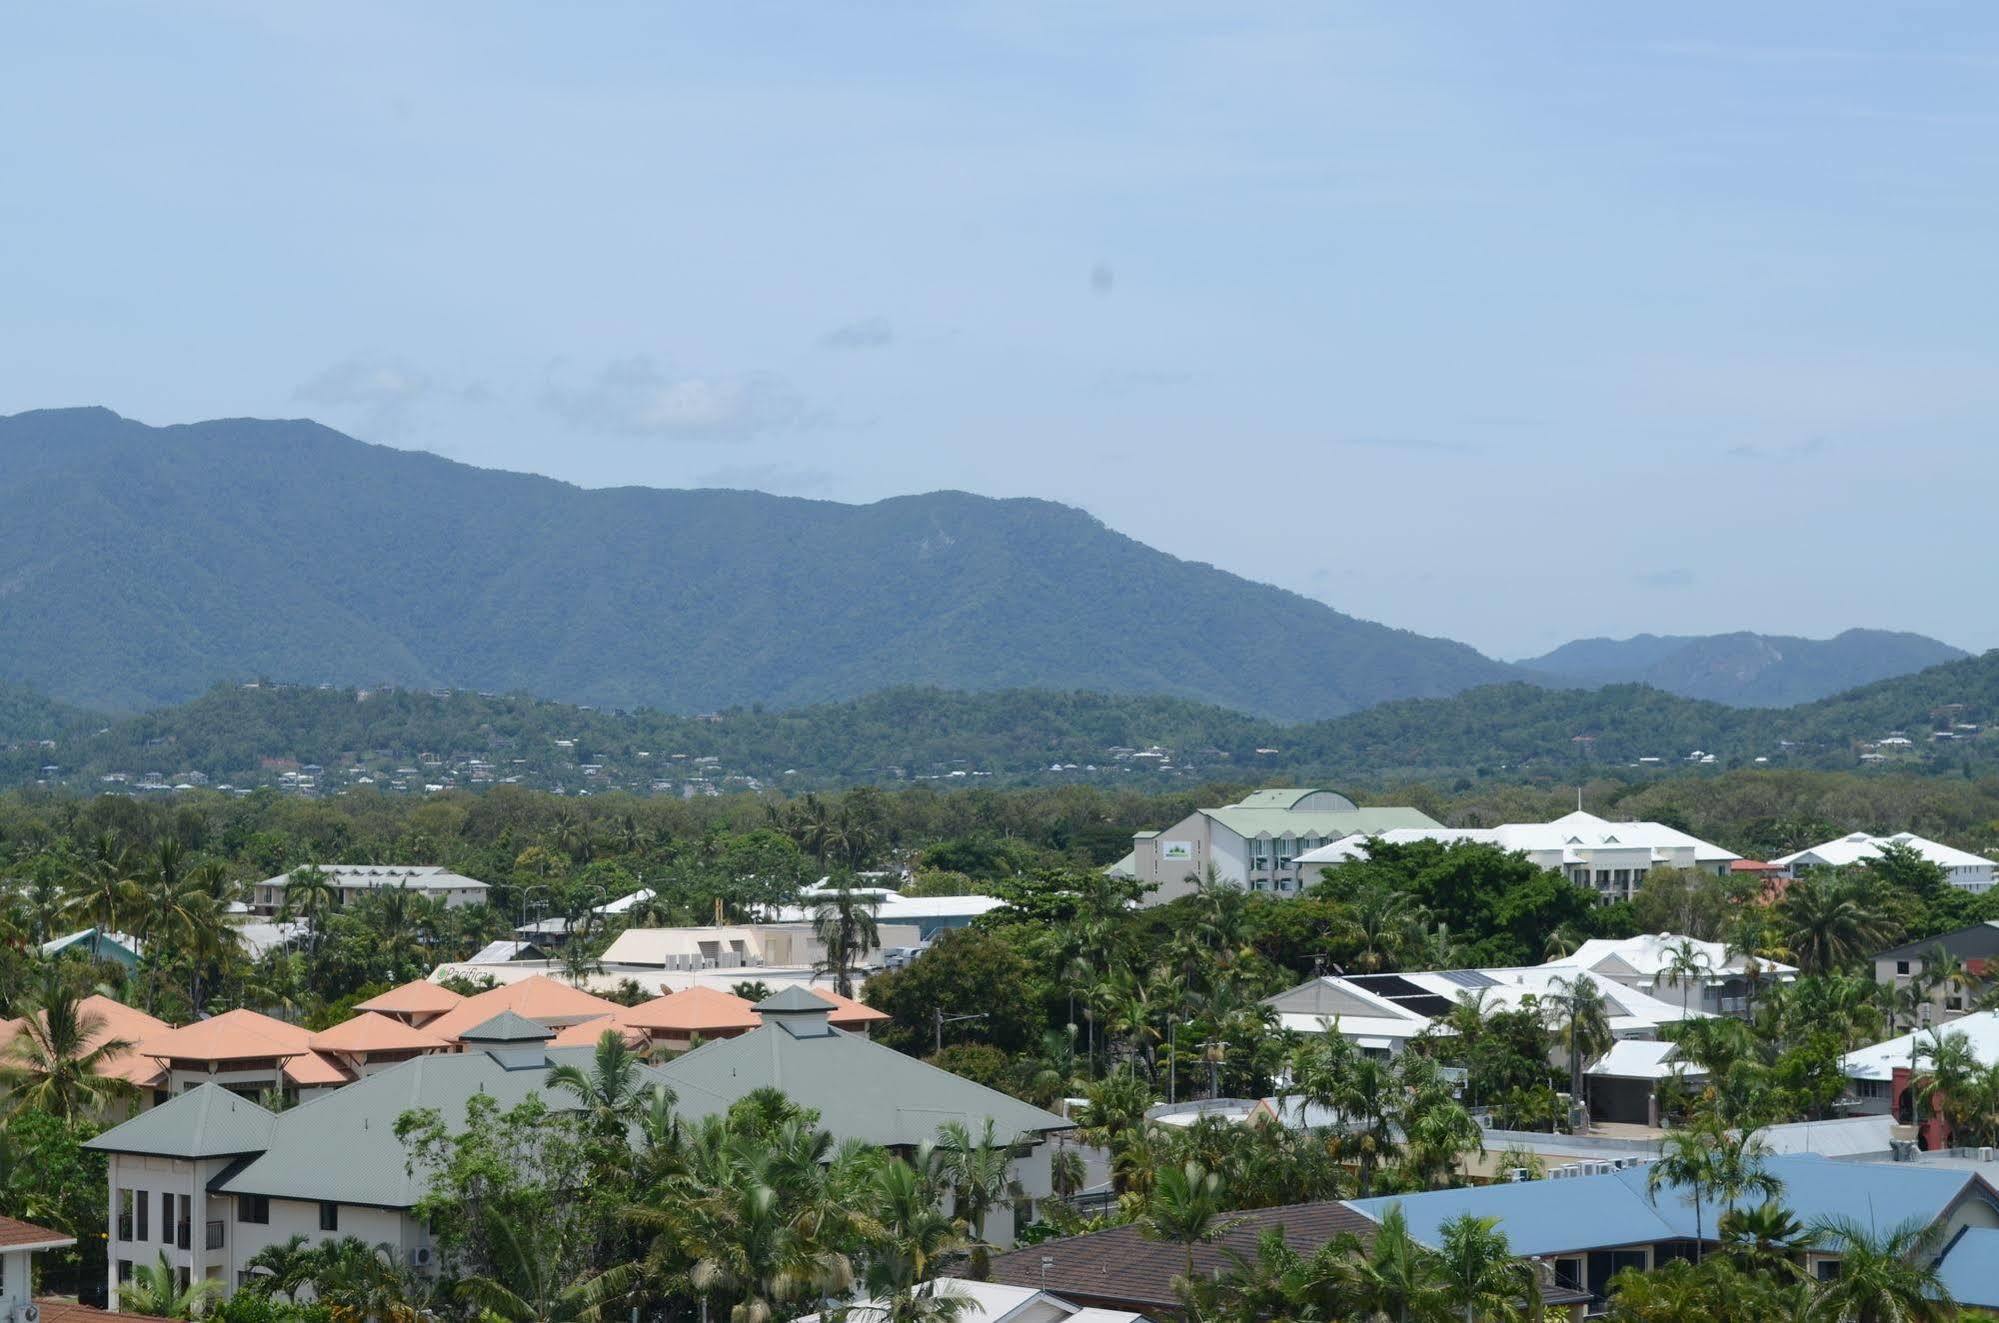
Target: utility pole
[940,1020]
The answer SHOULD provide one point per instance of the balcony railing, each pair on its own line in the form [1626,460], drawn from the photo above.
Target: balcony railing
[214,1238]
[183,1236]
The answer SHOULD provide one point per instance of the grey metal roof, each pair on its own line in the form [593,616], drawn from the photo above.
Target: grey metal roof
[860,1089]
[208,1121]
[507,1027]
[793,1000]
[343,1147]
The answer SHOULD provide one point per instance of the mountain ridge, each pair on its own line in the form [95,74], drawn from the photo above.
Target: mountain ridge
[1744,668]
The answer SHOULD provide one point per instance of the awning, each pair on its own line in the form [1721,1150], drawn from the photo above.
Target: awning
[1374,1044]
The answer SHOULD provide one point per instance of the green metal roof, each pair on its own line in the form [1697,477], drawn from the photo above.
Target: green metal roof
[208,1121]
[860,1089]
[1284,798]
[507,1027]
[1332,823]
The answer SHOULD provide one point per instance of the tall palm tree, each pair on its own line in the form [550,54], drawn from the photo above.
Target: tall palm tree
[1481,1277]
[283,1268]
[1398,1279]
[1830,923]
[979,1172]
[1186,1207]
[845,925]
[155,1290]
[1581,1019]
[612,1091]
[103,894]
[361,1283]
[527,1284]
[309,895]
[910,1235]
[1685,962]
[56,1063]
[1885,1276]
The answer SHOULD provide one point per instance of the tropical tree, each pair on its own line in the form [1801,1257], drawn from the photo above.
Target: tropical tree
[156,1290]
[528,1284]
[1885,1275]
[845,925]
[1481,1278]
[1686,964]
[978,1170]
[1397,1278]
[612,1090]
[1186,1207]
[283,1268]
[1765,1239]
[1830,922]
[57,1062]
[1580,1018]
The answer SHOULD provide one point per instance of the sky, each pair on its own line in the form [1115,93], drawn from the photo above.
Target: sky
[1509,323]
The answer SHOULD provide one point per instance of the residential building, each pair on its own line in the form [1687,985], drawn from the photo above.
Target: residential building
[990,1302]
[1975,948]
[928,915]
[244,1052]
[1610,858]
[1880,1073]
[1381,1013]
[370,1042]
[1623,1085]
[19,1243]
[1122,1269]
[416,1003]
[1590,1227]
[788,945]
[683,1020]
[1258,842]
[210,1177]
[95,944]
[1964,869]
[1727,982]
[353,880]
[540,999]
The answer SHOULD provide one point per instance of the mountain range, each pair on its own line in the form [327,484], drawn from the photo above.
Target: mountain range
[1746,670]
[141,565]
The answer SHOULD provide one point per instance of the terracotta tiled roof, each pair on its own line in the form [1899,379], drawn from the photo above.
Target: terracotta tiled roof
[241,1035]
[15,1233]
[68,1311]
[848,1013]
[588,1032]
[538,998]
[692,1010]
[120,1021]
[370,1032]
[417,997]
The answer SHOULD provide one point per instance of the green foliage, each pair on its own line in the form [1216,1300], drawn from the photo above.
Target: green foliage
[1747,670]
[966,971]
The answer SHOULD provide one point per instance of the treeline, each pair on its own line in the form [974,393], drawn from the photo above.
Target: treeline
[1509,732]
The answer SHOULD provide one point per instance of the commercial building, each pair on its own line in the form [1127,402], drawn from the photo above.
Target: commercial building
[350,881]
[1970,871]
[1258,843]
[1610,858]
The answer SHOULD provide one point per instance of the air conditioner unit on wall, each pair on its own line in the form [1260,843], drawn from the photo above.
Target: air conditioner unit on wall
[27,1312]
[420,1256]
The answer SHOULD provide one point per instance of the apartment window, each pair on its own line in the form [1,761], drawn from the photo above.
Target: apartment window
[253,1208]
[124,1214]
[1826,1270]
[1901,966]
[144,1203]
[124,1270]
[1603,877]
[1953,1003]
[329,1217]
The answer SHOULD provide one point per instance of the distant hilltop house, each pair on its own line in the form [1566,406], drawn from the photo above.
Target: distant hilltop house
[1970,871]
[1610,858]
[352,880]
[1257,843]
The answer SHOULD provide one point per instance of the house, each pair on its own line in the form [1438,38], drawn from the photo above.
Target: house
[19,1243]
[1880,1073]
[1964,869]
[1975,947]
[95,944]
[350,881]
[680,1020]
[1610,858]
[1725,985]
[1591,1227]
[371,1041]
[1257,843]
[991,1302]
[543,1000]
[244,1052]
[1623,1084]
[788,945]
[1381,1013]
[210,1177]
[416,1003]
[1120,1269]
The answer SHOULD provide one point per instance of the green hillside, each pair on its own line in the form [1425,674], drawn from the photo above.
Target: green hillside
[142,565]
[1746,670]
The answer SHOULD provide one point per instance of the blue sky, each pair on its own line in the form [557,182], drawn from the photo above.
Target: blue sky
[1509,323]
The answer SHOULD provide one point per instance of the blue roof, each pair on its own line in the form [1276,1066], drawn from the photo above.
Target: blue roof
[1970,1270]
[1599,1212]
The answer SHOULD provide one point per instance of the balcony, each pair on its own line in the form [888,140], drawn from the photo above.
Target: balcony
[213,1240]
[183,1236]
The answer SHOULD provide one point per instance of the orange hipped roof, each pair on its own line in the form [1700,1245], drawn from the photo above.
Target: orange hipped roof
[244,1036]
[848,1012]
[372,1032]
[588,1032]
[119,1022]
[417,997]
[537,998]
[696,1010]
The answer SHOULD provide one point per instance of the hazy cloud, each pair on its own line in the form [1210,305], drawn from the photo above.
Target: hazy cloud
[1102,279]
[774,478]
[1809,448]
[638,397]
[1677,577]
[382,390]
[867,333]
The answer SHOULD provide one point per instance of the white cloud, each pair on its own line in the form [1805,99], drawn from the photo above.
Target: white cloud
[638,397]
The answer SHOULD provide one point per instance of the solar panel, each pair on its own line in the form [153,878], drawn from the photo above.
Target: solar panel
[1469,978]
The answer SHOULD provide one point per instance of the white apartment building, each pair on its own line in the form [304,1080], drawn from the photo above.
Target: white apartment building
[1259,843]
[1610,858]
[1970,871]
[350,881]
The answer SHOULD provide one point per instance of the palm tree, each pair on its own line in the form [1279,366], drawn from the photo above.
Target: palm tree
[104,894]
[56,1062]
[913,1236]
[1186,1206]
[845,925]
[360,1283]
[1885,1276]
[1829,923]
[1765,1239]
[527,1285]
[1581,1019]
[311,895]
[155,1289]
[1066,1173]
[1685,1162]
[283,1269]
[1685,962]
[1398,1279]
[979,1172]
[1481,1277]
[612,1091]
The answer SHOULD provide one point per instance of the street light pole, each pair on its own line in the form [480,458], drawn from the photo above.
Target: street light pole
[940,1020]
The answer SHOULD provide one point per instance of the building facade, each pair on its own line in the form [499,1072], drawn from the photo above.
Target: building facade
[1256,844]
[350,881]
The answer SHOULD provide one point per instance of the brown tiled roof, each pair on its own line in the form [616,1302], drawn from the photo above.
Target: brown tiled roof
[691,1010]
[374,1032]
[1121,1269]
[15,1233]
[68,1311]
[417,997]
[848,1013]
[537,997]
[119,1021]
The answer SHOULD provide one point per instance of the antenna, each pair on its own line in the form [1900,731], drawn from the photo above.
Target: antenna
[1579,799]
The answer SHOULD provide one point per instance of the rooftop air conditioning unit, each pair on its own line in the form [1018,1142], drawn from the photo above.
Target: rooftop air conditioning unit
[1519,1174]
[1985,1153]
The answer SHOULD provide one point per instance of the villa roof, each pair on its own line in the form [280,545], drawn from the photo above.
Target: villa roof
[586,1033]
[691,1010]
[374,1032]
[848,1013]
[119,1021]
[208,1121]
[417,997]
[241,1035]
[538,998]
[18,1235]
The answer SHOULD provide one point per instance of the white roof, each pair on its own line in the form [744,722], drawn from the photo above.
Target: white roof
[900,909]
[420,877]
[257,938]
[1650,955]
[1858,847]
[1566,835]
[1843,1137]
[997,1302]
[1642,1059]
[497,953]
[1632,1013]
[1879,1062]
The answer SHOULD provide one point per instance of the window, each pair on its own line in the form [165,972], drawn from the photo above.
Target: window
[1826,1270]
[144,1203]
[1901,966]
[254,1208]
[124,1214]
[329,1217]
[124,1270]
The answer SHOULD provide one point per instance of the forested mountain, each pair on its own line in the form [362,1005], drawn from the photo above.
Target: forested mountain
[1746,670]
[411,739]
[141,565]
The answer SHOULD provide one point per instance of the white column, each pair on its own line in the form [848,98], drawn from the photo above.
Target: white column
[111,1241]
